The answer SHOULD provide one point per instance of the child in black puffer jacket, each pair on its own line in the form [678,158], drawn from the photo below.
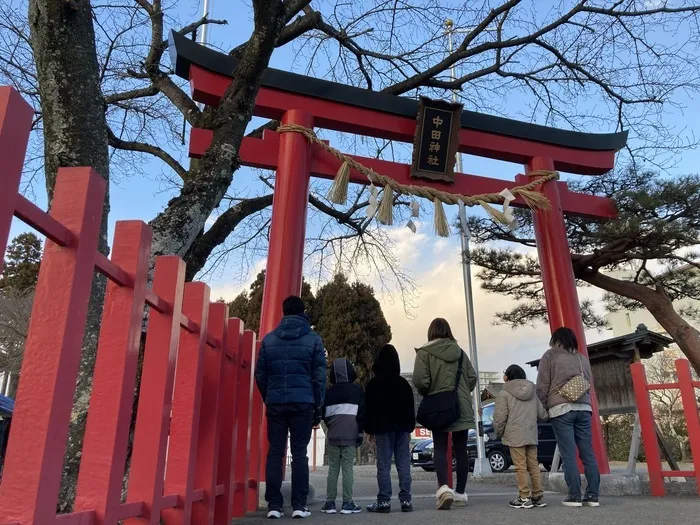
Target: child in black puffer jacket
[343,414]
[390,419]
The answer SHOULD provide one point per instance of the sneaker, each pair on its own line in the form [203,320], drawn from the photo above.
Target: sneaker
[406,506]
[380,507]
[349,508]
[572,501]
[329,508]
[539,503]
[521,503]
[300,514]
[445,497]
[274,513]
[461,500]
[591,501]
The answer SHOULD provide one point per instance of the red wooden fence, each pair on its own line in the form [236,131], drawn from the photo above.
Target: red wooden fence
[687,386]
[191,449]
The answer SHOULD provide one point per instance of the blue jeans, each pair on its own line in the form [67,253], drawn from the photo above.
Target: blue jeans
[573,430]
[396,444]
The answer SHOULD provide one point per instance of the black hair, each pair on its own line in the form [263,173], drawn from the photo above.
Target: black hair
[564,338]
[387,362]
[293,305]
[515,372]
[440,329]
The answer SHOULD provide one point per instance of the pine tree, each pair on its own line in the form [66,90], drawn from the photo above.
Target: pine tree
[658,223]
[351,322]
[247,306]
[22,261]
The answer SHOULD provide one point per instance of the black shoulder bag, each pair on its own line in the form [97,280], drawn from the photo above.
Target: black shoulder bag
[439,411]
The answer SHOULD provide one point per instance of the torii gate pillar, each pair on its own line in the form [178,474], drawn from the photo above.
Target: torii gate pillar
[283,276]
[559,283]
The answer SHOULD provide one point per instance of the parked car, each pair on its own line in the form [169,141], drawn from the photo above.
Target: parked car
[497,453]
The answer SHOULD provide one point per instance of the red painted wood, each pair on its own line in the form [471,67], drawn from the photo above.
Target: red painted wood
[131,510]
[690,408]
[285,256]
[244,393]
[208,439]
[209,87]
[15,126]
[227,420]
[559,284]
[646,422]
[184,425]
[258,434]
[155,395]
[29,489]
[77,518]
[263,153]
[38,219]
[107,429]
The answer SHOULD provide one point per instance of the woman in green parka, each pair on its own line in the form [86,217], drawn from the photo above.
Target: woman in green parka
[435,371]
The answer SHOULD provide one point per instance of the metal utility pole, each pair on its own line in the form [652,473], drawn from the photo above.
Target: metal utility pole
[482,467]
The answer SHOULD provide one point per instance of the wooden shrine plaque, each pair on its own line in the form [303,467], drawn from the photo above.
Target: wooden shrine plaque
[436,139]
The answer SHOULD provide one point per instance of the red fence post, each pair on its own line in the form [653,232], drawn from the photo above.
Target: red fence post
[257,439]
[690,408]
[243,427]
[29,491]
[646,422]
[560,286]
[15,127]
[184,425]
[109,417]
[146,472]
[208,438]
[227,417]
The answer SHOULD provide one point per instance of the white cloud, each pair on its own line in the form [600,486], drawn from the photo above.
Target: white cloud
[435,265]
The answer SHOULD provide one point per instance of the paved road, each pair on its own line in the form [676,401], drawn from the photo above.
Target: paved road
[489,506]
[488,509]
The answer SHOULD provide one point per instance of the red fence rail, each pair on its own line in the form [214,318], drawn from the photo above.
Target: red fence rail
[191,445]
[687,386]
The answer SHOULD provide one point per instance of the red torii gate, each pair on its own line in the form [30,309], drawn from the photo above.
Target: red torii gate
[309,102]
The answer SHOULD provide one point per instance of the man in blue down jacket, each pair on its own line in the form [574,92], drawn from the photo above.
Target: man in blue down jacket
[291,376]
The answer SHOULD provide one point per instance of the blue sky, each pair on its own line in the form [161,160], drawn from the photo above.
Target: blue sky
[423,254]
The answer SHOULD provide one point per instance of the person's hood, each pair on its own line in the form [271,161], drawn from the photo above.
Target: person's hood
[521,389]
[342,371]
[387,362]
[446,349]
[293,326]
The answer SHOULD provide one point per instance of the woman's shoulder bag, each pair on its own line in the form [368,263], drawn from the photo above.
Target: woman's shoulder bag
[439,411]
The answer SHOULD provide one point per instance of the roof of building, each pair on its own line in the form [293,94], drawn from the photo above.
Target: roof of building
[491,391]
[642,339]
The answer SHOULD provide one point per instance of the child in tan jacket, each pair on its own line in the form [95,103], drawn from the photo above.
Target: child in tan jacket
[515,422]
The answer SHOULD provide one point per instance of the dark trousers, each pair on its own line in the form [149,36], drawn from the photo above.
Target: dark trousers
[294,421]
[573,431]
[459,442]
[396,445]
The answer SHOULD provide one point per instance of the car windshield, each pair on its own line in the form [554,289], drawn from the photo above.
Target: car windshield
[488,415]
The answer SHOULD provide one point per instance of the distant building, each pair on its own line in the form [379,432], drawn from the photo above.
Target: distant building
[489,377]
[490,391]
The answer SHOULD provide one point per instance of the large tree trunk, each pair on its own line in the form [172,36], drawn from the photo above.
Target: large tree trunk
[177,227]
[75,134]
[659,305]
